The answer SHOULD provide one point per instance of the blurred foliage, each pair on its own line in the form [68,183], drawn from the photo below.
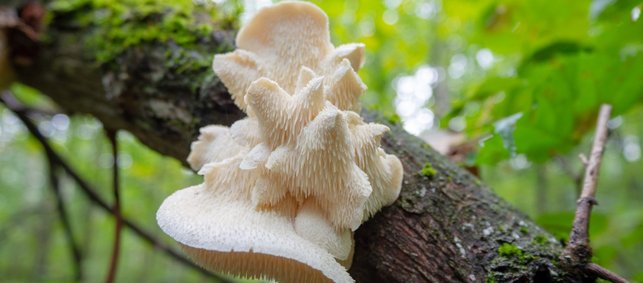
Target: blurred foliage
[555,64]
[523,80]
[396,35]
[30,226]
[548,192]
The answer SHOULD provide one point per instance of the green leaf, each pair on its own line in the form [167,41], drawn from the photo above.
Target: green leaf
[492,151]
[493,85]
[553,49]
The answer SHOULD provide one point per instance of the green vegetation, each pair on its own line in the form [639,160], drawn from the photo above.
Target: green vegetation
[510,259]
[540,240]
[428,170]
[118,25]
[394,119]
[30,223]
[542,94]
[510,250]
[520,79]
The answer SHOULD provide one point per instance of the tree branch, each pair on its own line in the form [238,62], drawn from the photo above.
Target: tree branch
[118,218]
[578,252]
[579,238]
[92,194]
[64,219]
[605,274]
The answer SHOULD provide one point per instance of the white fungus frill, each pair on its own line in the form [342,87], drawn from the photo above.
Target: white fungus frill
[279,41]
[285,187]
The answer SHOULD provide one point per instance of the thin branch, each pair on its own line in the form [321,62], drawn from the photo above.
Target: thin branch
[578,253]
[90,192]
[118,218]
[603,273]
[64,219]
[583,159]
[579,236]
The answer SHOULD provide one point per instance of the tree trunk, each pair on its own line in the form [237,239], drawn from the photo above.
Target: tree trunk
[445,227]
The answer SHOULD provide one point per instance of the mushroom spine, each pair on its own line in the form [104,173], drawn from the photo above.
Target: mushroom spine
[285,187]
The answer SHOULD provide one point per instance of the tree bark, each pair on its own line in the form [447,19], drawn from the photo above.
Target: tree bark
[445,227]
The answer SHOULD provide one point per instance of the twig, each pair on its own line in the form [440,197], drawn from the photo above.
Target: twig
[64,219]
[91,194]
[118,218]
[605,274]
[579,237]
[578,252]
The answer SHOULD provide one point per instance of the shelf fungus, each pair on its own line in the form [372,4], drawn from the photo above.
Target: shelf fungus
[285,187]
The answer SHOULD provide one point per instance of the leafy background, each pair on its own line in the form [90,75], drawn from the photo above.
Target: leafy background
[517,81]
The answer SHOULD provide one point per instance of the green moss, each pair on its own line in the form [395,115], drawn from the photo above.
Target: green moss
[540,240]
[184,61]
[118,25]
[513,262]
[524,230]
[428,170]
[511,251]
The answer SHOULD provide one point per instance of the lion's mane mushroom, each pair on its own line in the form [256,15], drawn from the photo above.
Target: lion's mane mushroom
[285,187]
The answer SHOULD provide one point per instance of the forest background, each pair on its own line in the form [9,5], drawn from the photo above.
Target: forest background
[509,89]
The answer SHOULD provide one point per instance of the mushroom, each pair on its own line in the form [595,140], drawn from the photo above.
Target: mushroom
[278,41]
[221,230]
[285,187]
[215,143]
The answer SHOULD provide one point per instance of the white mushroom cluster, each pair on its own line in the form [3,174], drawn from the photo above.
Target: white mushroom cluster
[285,187]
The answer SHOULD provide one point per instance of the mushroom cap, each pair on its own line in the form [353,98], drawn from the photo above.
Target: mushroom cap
[281,32]
[282,39]
[222,233]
